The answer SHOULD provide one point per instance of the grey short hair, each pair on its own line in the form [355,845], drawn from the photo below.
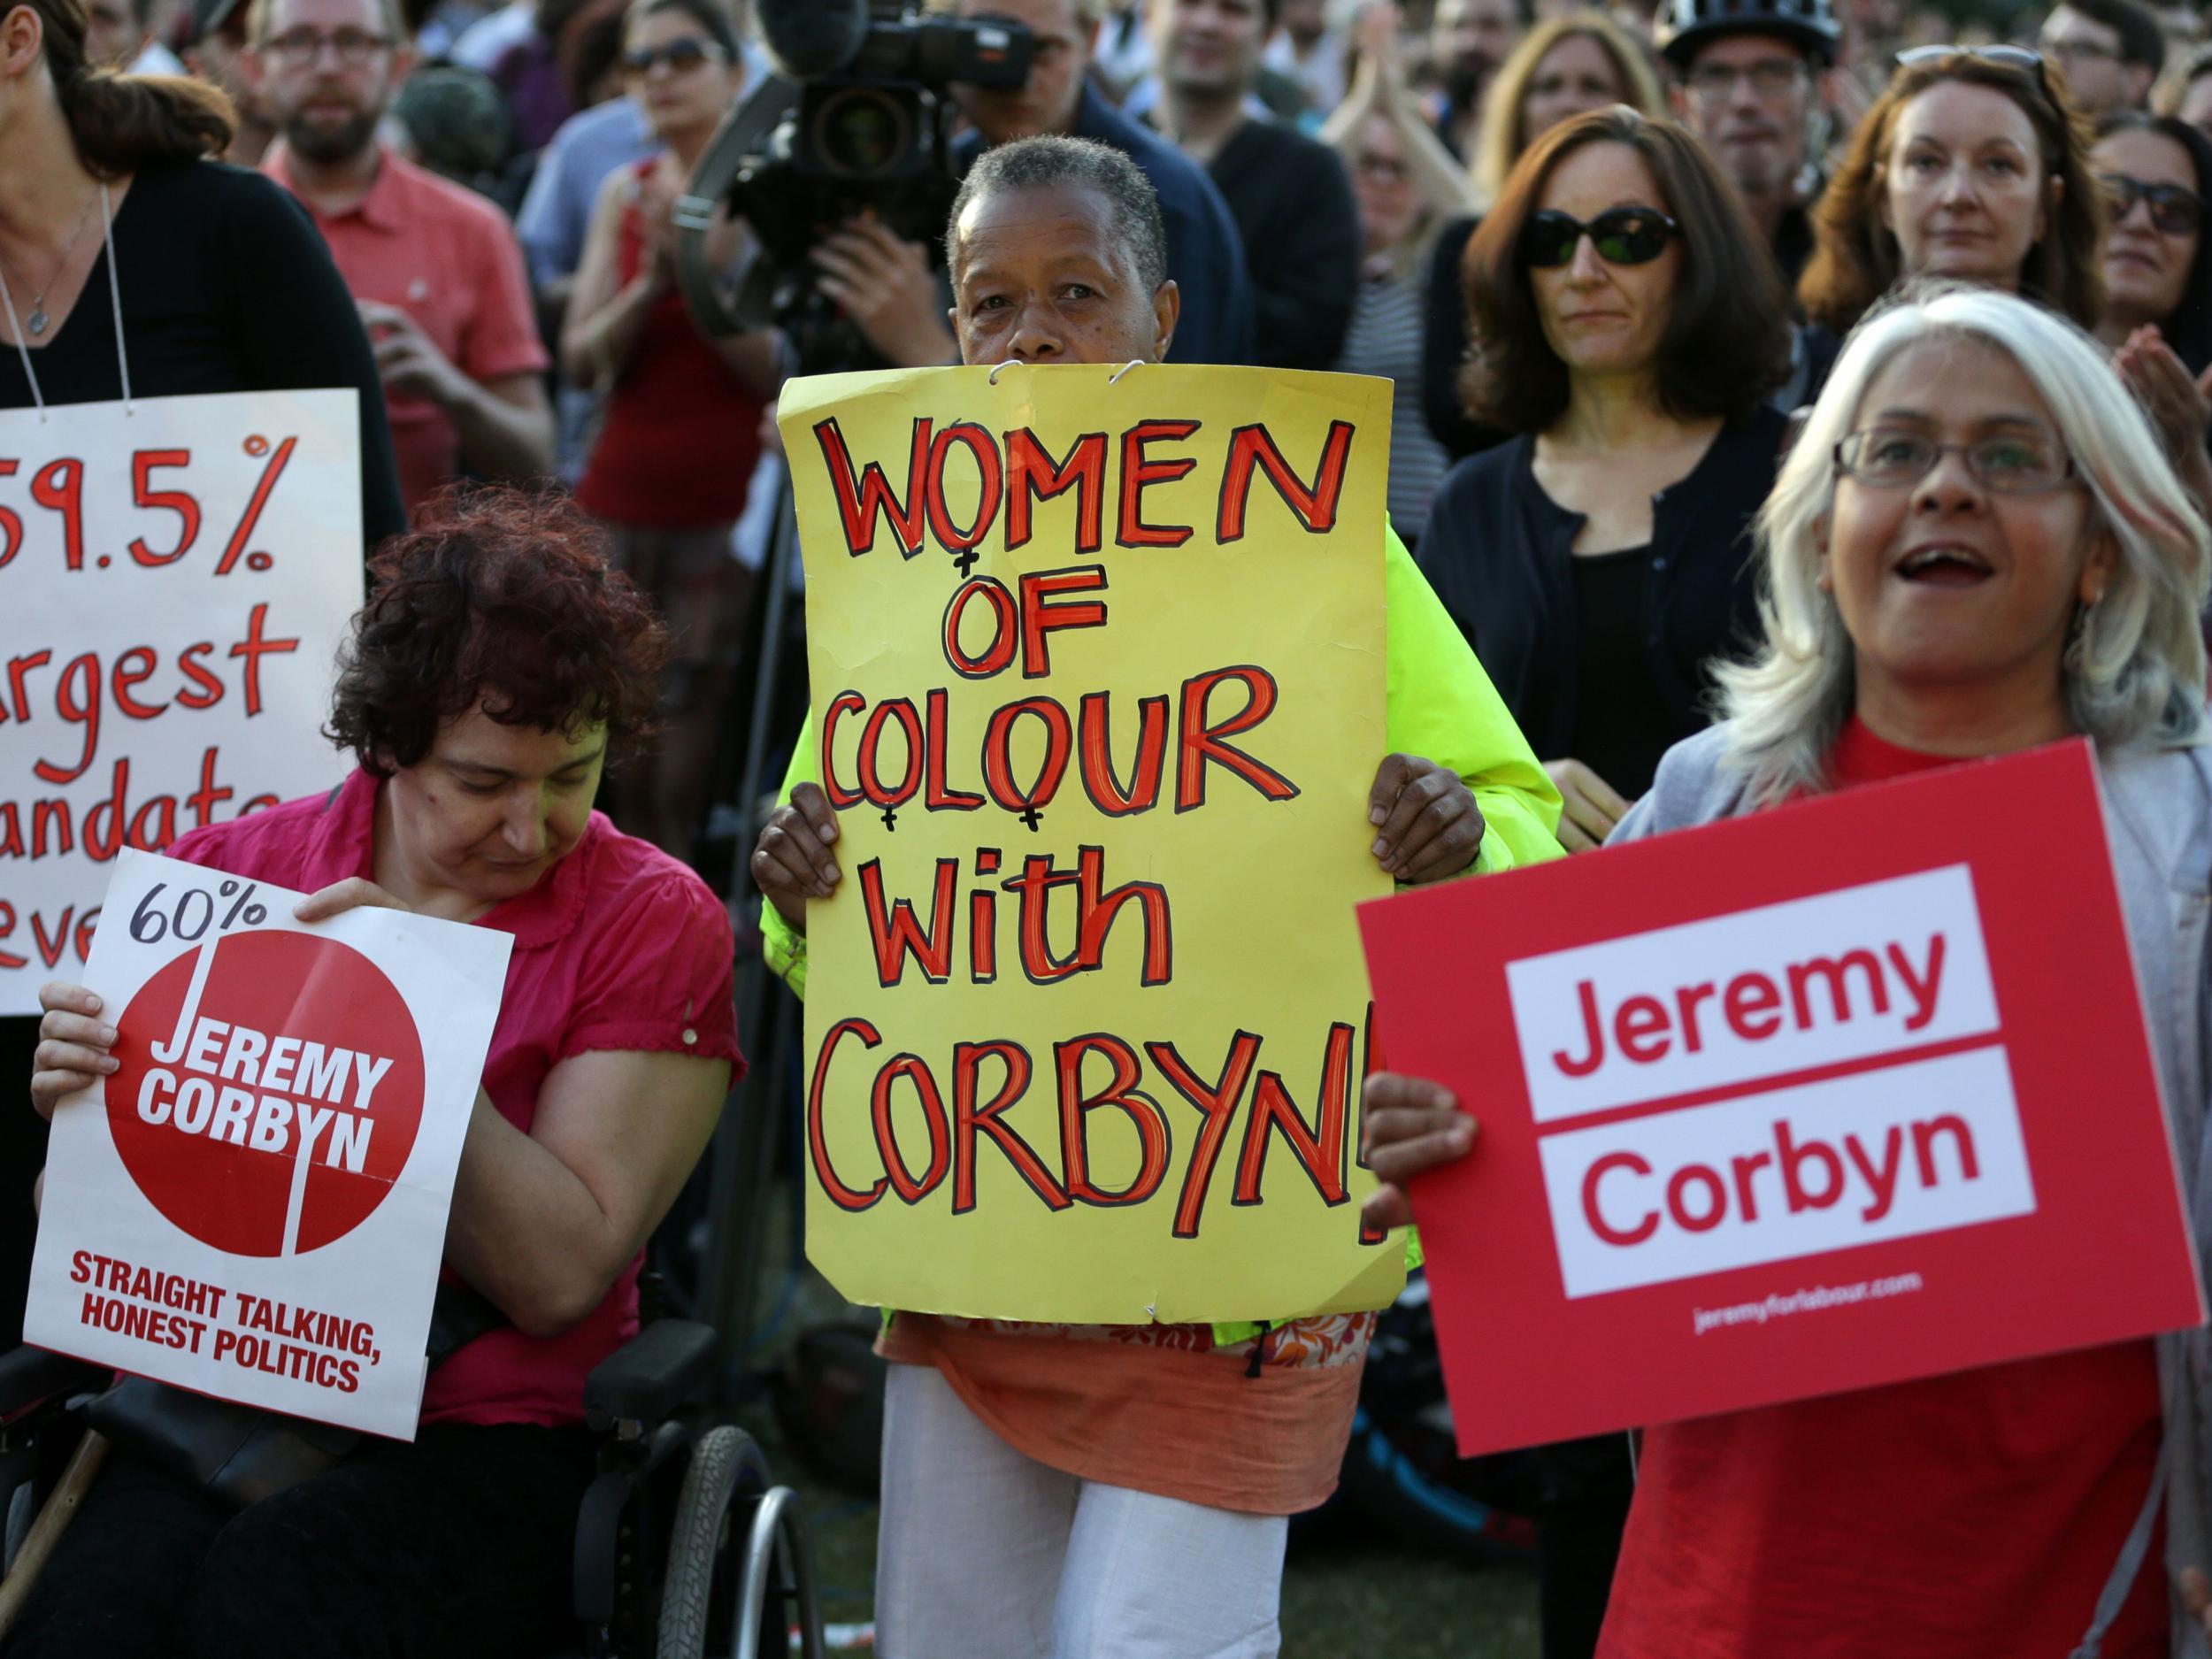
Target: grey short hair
[2139,673]
[1052,161]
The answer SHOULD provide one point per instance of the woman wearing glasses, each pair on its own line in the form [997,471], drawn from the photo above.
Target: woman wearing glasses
[1969,166]
[1629,323]
[681,411]
[1976,545]
[1565,66]
[2158,282]
[2155,170]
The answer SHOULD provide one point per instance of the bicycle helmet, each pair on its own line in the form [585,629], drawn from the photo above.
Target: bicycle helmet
[1683,26]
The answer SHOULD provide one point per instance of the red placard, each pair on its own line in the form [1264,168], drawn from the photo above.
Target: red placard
[1845,1093]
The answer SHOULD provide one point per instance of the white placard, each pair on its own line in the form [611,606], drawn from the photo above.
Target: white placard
[1843,977]
[254,1205]
[175,580]
[1888,1153]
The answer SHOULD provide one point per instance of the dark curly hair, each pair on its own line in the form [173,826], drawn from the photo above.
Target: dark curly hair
[504,600]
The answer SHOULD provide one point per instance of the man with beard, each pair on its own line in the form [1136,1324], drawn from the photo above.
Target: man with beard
[433,267]
[1287,193]
[1748,73]
[1468,40]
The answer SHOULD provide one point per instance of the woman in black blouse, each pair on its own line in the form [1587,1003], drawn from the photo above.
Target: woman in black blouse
[1631,325]
[225,286]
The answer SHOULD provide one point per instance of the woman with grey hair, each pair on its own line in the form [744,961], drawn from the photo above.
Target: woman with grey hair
[1977,546]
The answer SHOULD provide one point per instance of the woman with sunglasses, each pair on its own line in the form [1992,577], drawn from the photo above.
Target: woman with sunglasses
[1969,166]
[1629,322]
[1565,66]
[2158,282]
[681,413]
[1976,545]
[2155,170]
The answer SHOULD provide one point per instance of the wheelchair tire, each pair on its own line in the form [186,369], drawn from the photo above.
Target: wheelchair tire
[727,1472]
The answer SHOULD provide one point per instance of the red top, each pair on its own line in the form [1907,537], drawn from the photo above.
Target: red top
[448,258]
[620,947]
[680,430]
[1979,1513]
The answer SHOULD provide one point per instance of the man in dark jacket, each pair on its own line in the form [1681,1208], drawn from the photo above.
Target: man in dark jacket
[1748,84]
[1288,194]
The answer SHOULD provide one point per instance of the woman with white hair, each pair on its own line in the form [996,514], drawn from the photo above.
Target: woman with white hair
[1976,545]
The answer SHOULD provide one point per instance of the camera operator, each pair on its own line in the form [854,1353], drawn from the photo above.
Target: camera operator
[1204,256]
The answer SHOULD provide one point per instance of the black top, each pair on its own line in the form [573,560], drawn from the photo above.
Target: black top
[227,286]
[1622,723]
[1496,550]
[1294,208]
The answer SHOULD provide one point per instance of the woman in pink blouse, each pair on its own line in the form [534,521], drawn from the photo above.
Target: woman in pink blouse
[501,666]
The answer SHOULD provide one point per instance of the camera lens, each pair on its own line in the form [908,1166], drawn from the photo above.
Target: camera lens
[860,132]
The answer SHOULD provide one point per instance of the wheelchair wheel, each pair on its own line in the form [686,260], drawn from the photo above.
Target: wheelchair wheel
[739,1576]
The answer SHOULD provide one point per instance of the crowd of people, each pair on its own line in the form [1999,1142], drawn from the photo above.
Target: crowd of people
[1787,396]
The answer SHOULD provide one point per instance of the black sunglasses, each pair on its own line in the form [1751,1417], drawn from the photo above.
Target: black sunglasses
[678,55]
[1622,235]
[2175,211]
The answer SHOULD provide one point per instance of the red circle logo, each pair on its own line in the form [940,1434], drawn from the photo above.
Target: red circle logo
[266,1100]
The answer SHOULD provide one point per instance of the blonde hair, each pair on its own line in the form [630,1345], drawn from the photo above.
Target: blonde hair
[1500,141]
[1435,175]
[2139,672]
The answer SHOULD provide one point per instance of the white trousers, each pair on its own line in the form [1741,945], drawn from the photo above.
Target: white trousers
[985,1554]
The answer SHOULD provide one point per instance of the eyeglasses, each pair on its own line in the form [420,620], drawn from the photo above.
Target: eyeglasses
[2175,212]
[1622,235]
[1382,169]
[682,56]
[1769,78]
[2011,56]
[2088,51]
[1895,457]
[354,47]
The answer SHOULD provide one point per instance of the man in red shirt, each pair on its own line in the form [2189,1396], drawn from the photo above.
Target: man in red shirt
[434,267]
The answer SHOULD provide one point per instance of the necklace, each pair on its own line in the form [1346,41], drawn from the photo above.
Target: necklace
[37,322]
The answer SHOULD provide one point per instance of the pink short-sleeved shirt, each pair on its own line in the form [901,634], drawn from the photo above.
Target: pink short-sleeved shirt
[448,258]
[620,947]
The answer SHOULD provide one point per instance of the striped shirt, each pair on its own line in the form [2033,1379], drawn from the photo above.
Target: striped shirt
[1385,339]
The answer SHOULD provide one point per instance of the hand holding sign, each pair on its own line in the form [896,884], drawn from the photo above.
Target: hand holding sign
[74,1046]
[793,862]
[284,1108]
[1786,1105]
[1410,1127]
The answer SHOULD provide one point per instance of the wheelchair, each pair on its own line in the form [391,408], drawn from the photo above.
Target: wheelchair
[683,1548]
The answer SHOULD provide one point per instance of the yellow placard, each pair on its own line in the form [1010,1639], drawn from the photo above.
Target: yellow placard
[1097,677]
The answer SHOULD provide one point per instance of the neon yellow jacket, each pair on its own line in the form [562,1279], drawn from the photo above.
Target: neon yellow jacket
[1438,703]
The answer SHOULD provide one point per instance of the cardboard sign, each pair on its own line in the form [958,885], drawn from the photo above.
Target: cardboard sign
[176,580]
[1098,675]
[253,1205]
[1837,1094]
